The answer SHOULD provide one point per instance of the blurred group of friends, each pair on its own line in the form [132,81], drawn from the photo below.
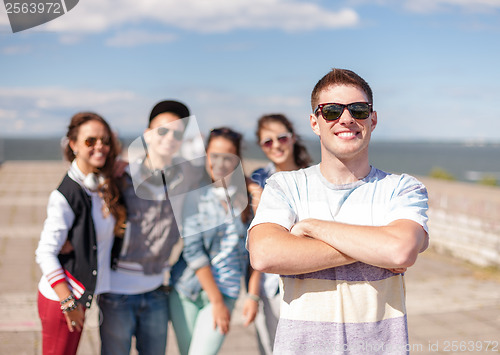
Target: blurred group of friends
[161,238]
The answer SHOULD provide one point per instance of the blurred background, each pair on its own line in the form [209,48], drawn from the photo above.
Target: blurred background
[432,66]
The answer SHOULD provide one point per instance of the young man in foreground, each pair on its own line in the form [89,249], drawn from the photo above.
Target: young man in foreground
[339,233]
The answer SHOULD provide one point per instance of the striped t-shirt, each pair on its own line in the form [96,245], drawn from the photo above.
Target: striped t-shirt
[356,308]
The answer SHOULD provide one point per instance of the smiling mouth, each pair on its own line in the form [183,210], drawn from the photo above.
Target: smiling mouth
[346,134]
[98,155]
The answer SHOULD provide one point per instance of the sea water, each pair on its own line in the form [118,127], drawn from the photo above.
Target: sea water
[463,160]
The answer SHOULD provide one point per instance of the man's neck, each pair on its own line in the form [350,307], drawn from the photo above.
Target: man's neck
[341,172]
[160,162]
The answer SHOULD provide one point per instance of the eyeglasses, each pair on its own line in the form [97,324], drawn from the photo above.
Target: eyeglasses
[333,111]
[163,131]
[92,141]
[282,139]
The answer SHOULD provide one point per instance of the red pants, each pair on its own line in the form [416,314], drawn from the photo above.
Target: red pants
[56,337]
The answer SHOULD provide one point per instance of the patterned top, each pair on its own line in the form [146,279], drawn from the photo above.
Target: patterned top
[212,236]
[357,308]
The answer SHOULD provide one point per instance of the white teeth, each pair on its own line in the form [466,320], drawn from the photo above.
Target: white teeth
[346,134]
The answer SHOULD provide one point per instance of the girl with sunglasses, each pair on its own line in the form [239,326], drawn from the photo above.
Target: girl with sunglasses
[283,147]
[83,216]
[206,280]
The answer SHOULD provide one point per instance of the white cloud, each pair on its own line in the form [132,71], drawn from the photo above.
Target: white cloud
[469,4]
[4,19]
[224,108]
[7,114]
[19,125]
[430,6]
[93,16]
[13,50]
[58,97]
[46,110]
[139,37]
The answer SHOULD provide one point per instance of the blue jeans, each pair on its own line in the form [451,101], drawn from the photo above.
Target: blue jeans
[193,324]
[144,315]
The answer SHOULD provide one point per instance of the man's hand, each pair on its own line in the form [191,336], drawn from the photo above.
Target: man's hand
[274,249]
[119,168]
[398,270]
[300,229]
[394,246]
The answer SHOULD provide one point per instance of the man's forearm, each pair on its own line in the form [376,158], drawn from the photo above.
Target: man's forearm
[393,246]
[274,249]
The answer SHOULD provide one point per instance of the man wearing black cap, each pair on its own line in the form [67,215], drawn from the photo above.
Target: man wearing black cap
[137,302]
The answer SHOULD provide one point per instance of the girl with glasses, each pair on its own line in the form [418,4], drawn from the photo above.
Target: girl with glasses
[206,280]
[83,217]
[283,147]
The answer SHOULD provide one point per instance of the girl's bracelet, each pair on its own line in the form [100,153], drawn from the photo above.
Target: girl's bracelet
[254,297]
[67,299]
[69,308]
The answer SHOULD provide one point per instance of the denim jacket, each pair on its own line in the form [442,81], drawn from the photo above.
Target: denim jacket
[222,246]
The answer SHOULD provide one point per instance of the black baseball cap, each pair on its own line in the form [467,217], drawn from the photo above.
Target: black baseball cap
[172,106]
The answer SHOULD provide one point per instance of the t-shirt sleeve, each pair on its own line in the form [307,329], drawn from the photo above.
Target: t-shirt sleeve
[276,204]
[409,201]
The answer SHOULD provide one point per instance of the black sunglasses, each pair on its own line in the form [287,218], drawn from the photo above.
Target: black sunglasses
[282,139]
[92,141]
[163,131]
[333,111]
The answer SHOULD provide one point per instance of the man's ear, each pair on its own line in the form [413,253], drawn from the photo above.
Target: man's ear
[313,119]
[374,119]
[147,134]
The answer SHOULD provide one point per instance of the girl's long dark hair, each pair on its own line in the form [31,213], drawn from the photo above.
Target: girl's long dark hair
[300,155]
[109,189]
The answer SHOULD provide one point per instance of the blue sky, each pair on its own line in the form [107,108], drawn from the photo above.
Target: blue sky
[432,64]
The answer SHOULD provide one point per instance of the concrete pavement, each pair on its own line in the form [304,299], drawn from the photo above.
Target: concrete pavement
[453,307]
